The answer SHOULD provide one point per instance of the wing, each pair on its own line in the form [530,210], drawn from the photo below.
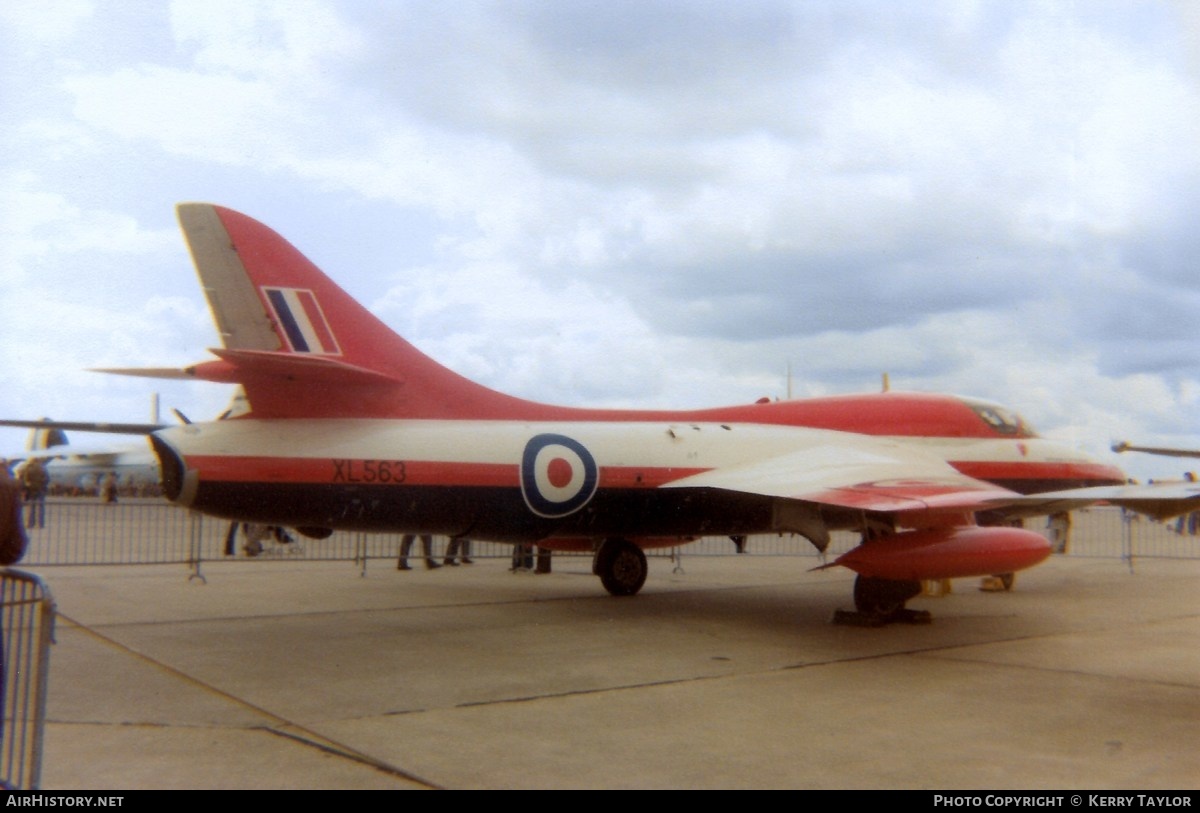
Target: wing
[858,473]
[62,450]
[869,474]
[89,426]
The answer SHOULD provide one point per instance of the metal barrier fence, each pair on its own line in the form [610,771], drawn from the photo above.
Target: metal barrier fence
[84,531]
[27,617]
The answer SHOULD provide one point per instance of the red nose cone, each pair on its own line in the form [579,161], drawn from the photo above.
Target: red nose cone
[947,553]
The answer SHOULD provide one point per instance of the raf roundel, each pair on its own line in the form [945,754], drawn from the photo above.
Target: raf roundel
[558,475]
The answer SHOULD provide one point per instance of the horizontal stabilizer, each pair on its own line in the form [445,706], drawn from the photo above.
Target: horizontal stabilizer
[291,365]
[235,366]
[147,372]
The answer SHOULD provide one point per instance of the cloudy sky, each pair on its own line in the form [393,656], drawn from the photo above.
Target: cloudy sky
[627,203]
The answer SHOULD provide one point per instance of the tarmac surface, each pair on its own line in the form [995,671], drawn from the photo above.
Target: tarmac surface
[298,675]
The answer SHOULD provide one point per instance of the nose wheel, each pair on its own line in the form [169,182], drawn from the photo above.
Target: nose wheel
[621,566]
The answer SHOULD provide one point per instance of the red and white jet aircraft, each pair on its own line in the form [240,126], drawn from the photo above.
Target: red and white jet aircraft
[351,427]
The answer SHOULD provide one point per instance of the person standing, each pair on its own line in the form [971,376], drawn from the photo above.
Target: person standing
[12,547]
[1059,526]
[406,546]
[36,482]
[522,558]
[109,489]
[458,548]
[12,533]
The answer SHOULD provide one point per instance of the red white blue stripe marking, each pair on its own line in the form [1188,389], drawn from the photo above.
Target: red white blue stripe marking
[299,314]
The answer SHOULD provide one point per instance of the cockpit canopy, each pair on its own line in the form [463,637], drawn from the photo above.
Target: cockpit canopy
[1001,419]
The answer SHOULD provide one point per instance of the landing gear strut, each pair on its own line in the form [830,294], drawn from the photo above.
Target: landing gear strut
[881,601]
[621,566]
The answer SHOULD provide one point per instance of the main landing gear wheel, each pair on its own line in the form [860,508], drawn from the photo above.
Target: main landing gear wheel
[881,601]
[621,566]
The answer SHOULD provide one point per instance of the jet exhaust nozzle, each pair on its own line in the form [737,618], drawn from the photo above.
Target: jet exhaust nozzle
[174,472]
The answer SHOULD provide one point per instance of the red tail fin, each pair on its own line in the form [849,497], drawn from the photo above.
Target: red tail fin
[301,346]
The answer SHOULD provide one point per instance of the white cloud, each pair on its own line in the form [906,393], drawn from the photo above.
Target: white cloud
[260,38]
[42,23]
